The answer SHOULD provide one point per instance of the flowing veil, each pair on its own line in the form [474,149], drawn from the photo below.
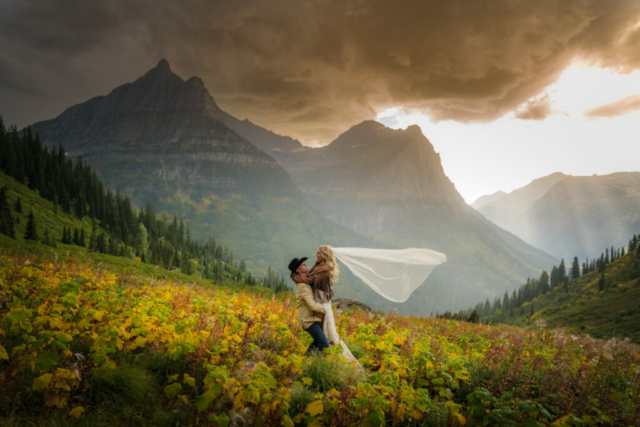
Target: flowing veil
[392,273]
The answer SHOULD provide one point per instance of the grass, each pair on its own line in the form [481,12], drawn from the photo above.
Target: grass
[329,372]
[126,385]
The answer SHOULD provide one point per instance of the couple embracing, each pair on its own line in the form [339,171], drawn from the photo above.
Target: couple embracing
[314,291]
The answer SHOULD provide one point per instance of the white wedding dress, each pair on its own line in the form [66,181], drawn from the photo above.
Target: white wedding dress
[330,331]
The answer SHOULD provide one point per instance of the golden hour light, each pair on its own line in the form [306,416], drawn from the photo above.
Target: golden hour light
[319,213]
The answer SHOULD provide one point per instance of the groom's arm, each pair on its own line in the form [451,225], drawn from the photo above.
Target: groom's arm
[307,295]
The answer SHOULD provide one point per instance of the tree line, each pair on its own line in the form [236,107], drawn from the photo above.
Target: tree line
[118,228]
[512,303]
[560,276]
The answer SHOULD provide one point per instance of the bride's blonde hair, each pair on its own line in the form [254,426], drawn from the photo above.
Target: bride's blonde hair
[330,259]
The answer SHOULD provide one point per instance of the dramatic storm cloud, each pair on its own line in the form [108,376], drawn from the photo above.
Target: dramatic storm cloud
[311,69]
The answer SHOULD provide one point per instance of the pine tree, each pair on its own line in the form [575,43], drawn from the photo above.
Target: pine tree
[6,220]
[31,233]
[562,272]
[76,237]
[544,283]
[602,283]
[185,264]
[18,205]
[82,241]
[532,310]
[575,268]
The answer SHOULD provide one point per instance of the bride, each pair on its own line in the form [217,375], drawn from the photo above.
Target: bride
[322,277]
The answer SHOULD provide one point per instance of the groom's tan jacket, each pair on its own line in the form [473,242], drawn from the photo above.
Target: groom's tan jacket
[306,305]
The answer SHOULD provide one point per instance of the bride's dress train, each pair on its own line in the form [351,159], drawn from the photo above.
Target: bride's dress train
[330,331]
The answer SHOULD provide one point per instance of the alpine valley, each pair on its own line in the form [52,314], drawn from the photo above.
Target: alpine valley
[165,140]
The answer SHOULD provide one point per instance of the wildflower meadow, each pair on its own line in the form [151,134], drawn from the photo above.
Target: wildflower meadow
[86,346]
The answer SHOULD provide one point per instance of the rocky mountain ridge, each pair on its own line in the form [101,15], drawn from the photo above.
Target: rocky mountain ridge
[162,139]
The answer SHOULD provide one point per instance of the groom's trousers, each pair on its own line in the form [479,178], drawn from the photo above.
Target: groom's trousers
[319,340]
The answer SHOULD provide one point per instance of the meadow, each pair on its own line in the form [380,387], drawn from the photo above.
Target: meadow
[82,345]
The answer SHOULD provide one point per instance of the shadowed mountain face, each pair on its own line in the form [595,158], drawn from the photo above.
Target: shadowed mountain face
[161,139]
[571,216]
[390,184]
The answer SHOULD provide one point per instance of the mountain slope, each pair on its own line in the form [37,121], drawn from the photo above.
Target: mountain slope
[571,215]
[489,198]
[390,184]
[160,139]
[602,310]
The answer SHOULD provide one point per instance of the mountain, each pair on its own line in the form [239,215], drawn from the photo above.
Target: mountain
[571,215]
[489,198]
[162,139]
[390,185]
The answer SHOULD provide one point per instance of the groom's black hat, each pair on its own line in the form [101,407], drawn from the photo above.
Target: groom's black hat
[295,263]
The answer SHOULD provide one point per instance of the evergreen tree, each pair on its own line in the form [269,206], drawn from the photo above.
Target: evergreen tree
[76,237]
[575,268]
[602,283]
[532,310]
[6,220]
[31,233]
[562,272]
[18,205]
[185,264]
[544,283]
[82,241]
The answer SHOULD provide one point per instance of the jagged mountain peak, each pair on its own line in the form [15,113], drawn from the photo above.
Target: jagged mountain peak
[163,64]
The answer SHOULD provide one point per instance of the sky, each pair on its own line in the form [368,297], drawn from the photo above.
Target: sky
[591,126]
[506,90]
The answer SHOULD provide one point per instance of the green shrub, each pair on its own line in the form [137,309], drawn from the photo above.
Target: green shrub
[301,396]
[124,385]
[330,371]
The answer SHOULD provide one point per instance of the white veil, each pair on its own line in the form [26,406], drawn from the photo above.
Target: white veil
[393,273]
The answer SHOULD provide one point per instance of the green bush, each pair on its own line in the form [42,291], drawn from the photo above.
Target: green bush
[330,371]
[301,396]
[124,385]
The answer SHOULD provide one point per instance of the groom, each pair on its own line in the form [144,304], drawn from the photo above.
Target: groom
[306,305]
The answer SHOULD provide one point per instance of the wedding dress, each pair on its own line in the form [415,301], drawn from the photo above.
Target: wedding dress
[330,331]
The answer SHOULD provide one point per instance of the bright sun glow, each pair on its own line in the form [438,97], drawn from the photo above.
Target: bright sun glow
[509,153]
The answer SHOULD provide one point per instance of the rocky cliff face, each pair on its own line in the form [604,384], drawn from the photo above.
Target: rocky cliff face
[164,128]
[163,139]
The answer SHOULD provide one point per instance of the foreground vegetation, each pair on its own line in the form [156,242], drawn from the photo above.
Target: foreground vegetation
[85,346]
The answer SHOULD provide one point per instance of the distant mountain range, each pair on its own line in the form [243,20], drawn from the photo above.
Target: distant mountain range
[165,140]
[569,215]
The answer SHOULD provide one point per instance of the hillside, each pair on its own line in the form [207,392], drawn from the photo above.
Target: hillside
[85,346]
[603,303]
[162,139]
[570,215]
[51,222]
[390,185]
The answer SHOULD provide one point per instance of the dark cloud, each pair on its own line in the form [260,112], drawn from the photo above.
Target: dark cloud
[623,106]
[536,109]
[311,69]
